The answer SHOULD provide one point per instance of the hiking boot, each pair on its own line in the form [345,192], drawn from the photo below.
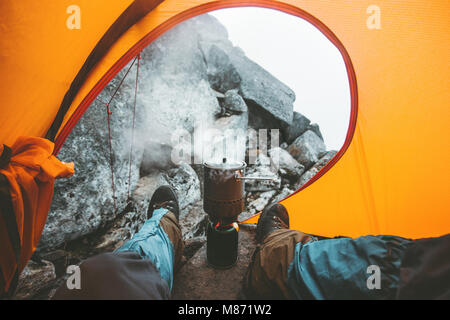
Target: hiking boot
[164,197]
[274,217]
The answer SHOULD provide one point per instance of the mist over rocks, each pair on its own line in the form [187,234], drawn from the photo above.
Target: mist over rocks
[191,75]
[84,203]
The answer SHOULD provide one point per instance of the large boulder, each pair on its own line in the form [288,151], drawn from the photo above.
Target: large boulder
[157,156]
[265,93]
[175,88]
[222,74]
[173,92]
[270,101]
[84,202]
[184,181]
[307,148]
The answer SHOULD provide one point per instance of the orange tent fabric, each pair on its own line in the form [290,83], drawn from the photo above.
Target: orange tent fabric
[391,176]
[30,177]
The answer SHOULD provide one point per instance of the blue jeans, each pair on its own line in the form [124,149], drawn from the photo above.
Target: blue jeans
[153,243]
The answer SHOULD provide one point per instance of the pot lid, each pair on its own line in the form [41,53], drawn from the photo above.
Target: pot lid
[225,164]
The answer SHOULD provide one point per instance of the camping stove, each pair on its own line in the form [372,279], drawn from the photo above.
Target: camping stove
[223,201]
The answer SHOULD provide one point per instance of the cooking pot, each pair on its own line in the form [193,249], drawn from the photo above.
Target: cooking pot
[224,189]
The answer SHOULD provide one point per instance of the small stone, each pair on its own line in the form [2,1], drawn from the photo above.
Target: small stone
[35,278]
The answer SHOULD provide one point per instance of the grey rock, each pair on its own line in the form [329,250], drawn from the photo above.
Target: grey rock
[260,118]
[264,90]
[173,92]
[316,168]
[262,169]
[222,74]
[234,103]
[191,246]
[174,87]
[157,156]
[261,160]
[192,222]
[84,202]
[35,278]
[306,149]
[314,127]
[210,30]
[59,258]
[186,185]
[285,164]
[228,139]
[283,194]
[229,68]
[233,122]
[113,239]
[218,94]
[299,125]
[261,202]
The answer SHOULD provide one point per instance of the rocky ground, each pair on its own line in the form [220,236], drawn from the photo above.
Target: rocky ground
[192,74]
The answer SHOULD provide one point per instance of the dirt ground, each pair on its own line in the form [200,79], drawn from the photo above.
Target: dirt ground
[196,280]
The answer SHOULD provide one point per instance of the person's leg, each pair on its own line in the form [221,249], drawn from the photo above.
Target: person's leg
[362,268]
[114,276]
[291,265]
[143,267]
[267,274]
[160,239]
